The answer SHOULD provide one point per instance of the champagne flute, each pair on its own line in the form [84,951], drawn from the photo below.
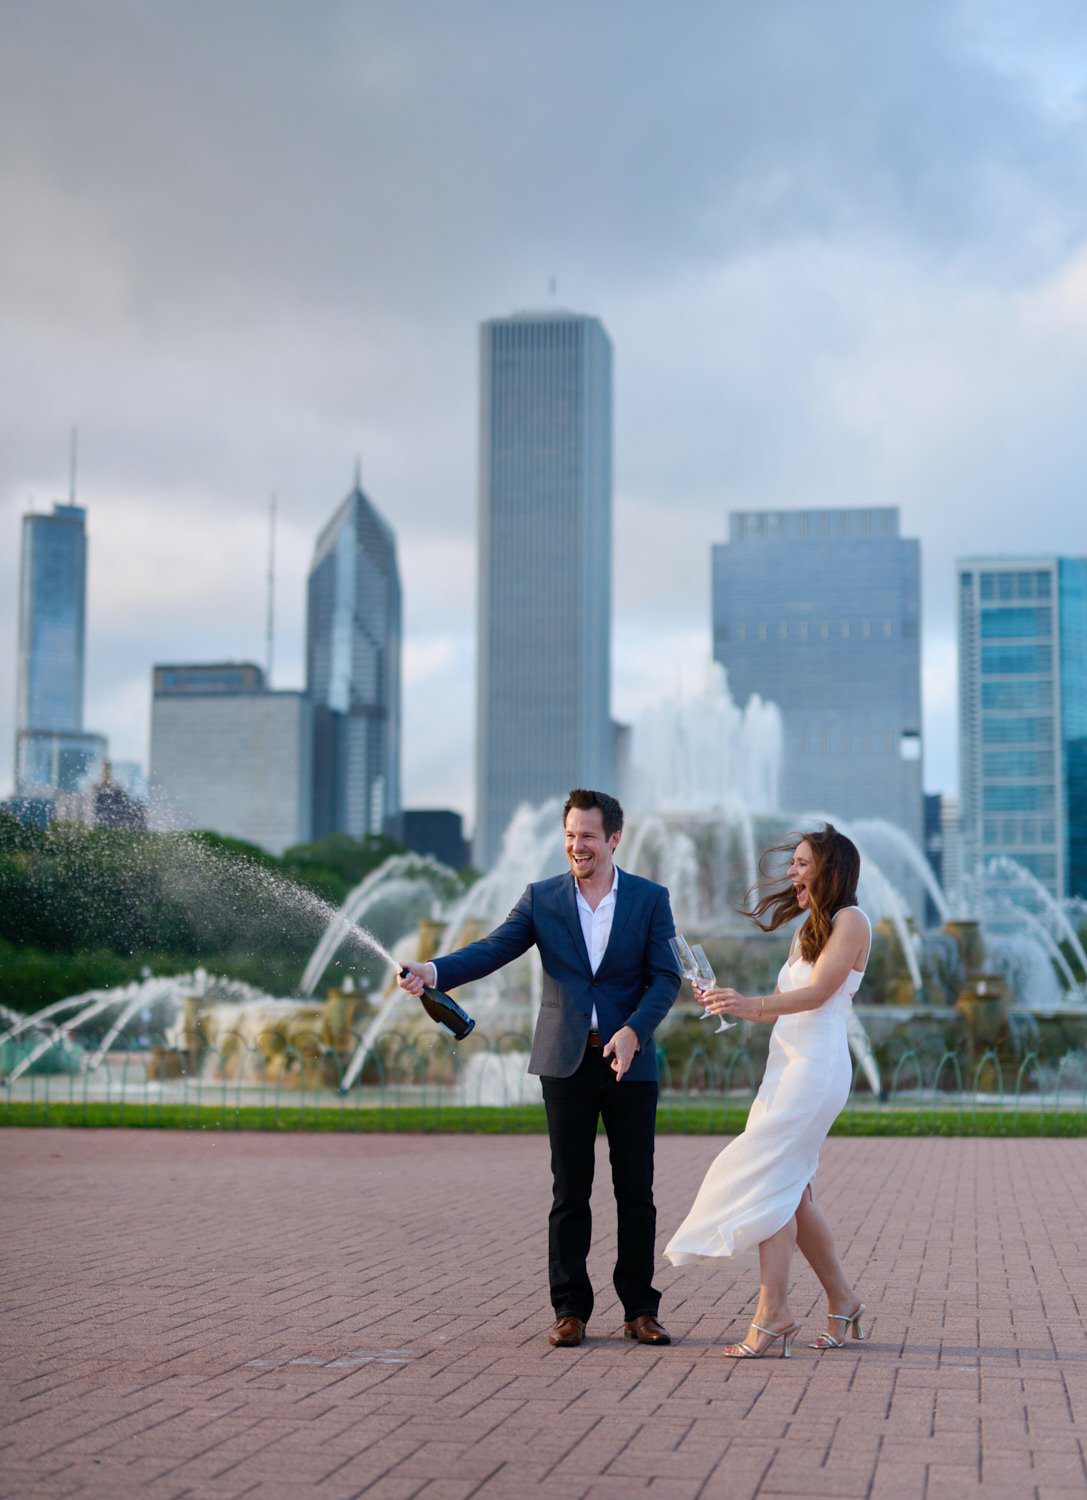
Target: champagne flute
[705,980]
[696,967]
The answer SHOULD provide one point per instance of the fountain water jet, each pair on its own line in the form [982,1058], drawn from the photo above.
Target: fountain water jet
[1004,877]
[869,834]
[402,875]
[704,753]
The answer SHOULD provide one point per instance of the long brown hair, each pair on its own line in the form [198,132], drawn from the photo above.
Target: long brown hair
[832,886]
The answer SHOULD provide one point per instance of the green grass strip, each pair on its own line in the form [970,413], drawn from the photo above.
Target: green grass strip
[521,1119]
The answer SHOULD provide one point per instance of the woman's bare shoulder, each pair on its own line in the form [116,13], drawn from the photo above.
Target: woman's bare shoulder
[850,920]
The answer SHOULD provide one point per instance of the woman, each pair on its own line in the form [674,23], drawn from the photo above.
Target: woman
[758,1191]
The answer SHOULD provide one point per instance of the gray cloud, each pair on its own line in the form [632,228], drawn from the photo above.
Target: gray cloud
[840,250]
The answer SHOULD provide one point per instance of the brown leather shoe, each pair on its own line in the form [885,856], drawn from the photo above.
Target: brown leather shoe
[567,1333]
[646,1330]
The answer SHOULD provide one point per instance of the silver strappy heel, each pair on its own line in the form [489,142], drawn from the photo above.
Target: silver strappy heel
[745,1351]
[850,1320]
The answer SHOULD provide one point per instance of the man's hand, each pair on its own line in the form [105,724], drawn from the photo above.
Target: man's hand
[412,977]
[621,1049]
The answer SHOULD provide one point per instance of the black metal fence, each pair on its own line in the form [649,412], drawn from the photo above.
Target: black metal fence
[275,1075]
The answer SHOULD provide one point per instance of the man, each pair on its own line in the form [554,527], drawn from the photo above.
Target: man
[609,980]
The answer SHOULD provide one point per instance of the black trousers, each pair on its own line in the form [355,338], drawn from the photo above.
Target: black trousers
[629,1110]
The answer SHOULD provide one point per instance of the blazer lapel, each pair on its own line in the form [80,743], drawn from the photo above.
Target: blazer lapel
[568,902]
[624,900]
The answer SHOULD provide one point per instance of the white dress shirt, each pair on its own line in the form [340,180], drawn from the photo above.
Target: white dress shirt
[596,929]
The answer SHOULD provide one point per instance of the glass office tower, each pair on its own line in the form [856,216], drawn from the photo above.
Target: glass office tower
[353,643]
[1023,715]
[52,751]
[543,721]
[819,612]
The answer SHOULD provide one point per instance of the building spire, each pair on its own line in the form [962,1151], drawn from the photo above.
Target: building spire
[270,623]
[358,473]
[73,454]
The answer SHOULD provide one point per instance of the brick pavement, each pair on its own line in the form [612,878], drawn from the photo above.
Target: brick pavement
[224,1316]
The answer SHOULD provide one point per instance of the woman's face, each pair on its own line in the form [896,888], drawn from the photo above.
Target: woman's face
[802,872]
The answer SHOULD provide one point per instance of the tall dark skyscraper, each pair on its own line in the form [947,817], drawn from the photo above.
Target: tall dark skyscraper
[819,611]
[52,751]
[353,636]
[543,719]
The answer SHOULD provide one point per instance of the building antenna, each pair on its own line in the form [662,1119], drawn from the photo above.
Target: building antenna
[270,626]
[553,287]
[73,455]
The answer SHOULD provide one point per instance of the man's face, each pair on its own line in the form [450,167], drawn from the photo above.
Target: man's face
[588,851]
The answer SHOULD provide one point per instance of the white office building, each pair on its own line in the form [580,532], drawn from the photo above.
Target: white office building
[230,755]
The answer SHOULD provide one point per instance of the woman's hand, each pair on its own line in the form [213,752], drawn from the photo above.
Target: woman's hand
[726,1002]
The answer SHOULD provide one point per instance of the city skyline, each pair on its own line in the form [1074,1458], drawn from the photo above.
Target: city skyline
[842,261]
[954,787]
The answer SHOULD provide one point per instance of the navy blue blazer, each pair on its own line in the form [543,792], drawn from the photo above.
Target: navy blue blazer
[635,985]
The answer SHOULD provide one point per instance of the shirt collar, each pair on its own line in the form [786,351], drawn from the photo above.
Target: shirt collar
[611,894]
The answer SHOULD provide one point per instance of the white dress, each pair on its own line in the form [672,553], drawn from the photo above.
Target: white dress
[755,1185]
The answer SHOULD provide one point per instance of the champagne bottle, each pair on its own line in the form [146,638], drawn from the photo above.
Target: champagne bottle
[441,1008]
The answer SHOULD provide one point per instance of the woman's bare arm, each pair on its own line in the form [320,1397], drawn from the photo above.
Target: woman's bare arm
[846,949]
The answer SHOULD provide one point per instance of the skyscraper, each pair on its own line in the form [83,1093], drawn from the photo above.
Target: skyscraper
[52,751]
[228,754]
[543,721]
[353,635]
[1023,715]
[819,611]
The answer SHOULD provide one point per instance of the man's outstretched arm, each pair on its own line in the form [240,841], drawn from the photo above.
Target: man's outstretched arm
[508,941]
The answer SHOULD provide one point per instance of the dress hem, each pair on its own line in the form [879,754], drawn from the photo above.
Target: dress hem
[708,1257]
[696,1258]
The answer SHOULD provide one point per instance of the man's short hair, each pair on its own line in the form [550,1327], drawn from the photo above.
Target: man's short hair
[610,810]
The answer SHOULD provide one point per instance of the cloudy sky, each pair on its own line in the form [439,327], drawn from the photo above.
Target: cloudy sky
[840,247]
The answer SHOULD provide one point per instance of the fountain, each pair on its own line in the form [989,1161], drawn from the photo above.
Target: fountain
[191,1011]
[701,797]
[128,1001]
[706,764]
